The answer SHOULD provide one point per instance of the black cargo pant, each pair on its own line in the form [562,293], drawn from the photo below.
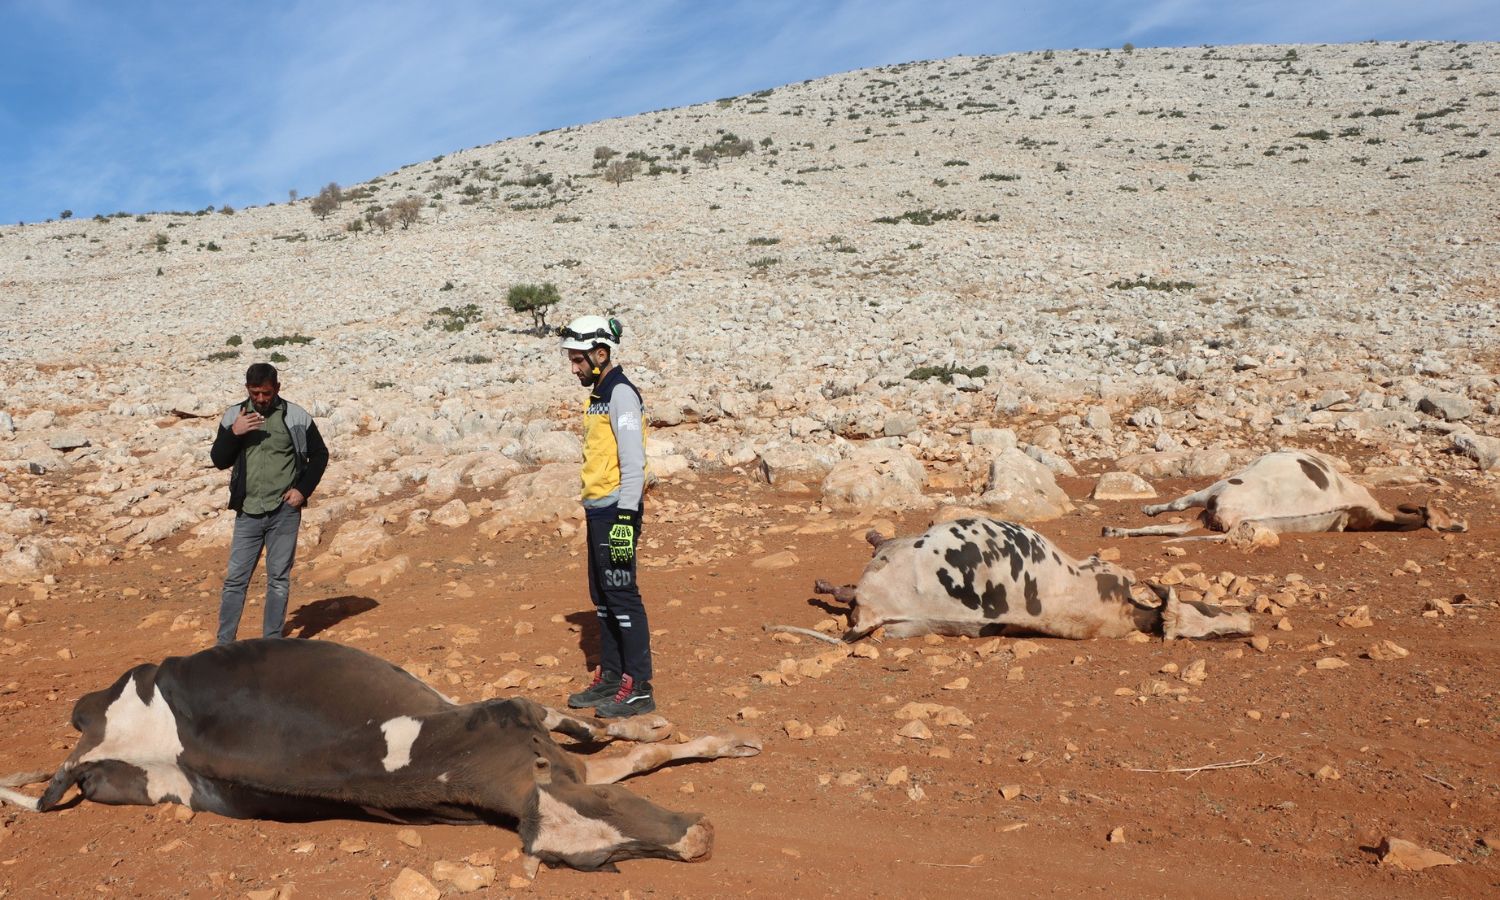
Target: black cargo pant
[624,634]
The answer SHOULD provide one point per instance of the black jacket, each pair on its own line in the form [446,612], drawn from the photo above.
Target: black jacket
[309,451]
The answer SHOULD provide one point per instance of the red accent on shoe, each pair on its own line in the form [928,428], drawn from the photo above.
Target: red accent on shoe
[627,684]
[598,679]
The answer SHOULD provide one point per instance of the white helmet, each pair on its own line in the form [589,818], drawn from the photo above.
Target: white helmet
[587,332]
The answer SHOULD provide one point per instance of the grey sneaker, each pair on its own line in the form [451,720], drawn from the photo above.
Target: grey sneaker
[630,700]
[602,688]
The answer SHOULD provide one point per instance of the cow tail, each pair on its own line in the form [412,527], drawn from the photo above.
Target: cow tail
[16,798]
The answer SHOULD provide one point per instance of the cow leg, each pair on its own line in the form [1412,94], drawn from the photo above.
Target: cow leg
[842,593]
[1148,530]
[732,743]
[1189,501]
[1187,619]
[643,729]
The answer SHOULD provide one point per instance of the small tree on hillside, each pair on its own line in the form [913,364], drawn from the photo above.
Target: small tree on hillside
[323,205]
[621,171]
[534,299]
[407,210]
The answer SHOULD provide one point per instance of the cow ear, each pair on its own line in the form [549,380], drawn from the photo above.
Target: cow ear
[542,770]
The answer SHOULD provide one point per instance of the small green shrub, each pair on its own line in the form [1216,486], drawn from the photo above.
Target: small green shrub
[945,373]
[1152,284]
[234,340]
[764,241]
[262,343]
[998,176]
[764,262]
[223,355]
[278,357]
[473,359]
[921,216]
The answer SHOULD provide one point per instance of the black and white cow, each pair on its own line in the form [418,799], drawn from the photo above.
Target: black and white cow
[1292,491]
[295,730]
[980,576]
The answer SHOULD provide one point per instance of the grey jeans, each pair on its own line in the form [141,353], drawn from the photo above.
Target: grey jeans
[276,532]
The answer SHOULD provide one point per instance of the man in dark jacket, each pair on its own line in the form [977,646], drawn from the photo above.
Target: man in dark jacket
[278,458]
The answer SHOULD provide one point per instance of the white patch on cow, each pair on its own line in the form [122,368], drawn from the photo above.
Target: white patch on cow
[443,778]
[400,733]
[567,832]
[145,736]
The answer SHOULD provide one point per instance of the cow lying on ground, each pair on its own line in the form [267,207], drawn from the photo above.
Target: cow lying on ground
[295,730]
[1292,491]
[978,577]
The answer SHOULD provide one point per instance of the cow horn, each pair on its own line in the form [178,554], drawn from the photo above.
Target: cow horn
[875,538]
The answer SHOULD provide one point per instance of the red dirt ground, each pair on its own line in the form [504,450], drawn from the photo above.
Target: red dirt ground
[1413,741]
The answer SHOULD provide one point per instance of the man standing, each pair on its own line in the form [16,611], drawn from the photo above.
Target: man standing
[278,459]
[614,477]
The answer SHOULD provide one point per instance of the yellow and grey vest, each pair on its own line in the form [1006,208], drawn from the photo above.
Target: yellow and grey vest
[614,444]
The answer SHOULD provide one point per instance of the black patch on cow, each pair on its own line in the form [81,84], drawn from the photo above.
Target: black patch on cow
[920,541]
[1236,481]
[145,683]
[1313,473]
[1112,587]
[966,559]
[1033,597]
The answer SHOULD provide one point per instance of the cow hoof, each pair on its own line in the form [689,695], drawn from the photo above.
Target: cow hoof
[697,844]
[645,729]
[741,743]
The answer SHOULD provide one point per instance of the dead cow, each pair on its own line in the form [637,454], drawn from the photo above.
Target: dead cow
[1292,491]
[295,730]
[980,576]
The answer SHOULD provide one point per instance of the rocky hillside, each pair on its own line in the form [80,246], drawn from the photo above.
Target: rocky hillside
[1113,254]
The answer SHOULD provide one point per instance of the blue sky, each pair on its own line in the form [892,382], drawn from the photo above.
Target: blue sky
[144,105]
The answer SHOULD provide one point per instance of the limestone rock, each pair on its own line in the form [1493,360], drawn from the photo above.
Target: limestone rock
[1480,448]
[552,447]
[413,885]
[1403,854]
[452,514]
[1122,486]
[1448,407]
[877,478]
[997,438]
[1019,487]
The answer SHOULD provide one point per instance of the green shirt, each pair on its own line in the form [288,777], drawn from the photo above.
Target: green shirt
[270,463]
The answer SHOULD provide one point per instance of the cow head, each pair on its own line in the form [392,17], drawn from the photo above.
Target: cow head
[594,826]
[1435,515]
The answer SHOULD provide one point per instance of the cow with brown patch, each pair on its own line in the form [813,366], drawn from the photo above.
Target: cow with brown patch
[981,576]
[295,730]
[1292,491]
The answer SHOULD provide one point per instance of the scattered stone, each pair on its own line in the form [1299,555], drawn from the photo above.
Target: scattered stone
[413,885]
[1482,449]
[1360,618]
[784,559]
[1021,488]
[1122,486]
[1117,835]
[1403,854]
[1331,662]
[1010,791]
[916,730]
[1387,651]
[464,878]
